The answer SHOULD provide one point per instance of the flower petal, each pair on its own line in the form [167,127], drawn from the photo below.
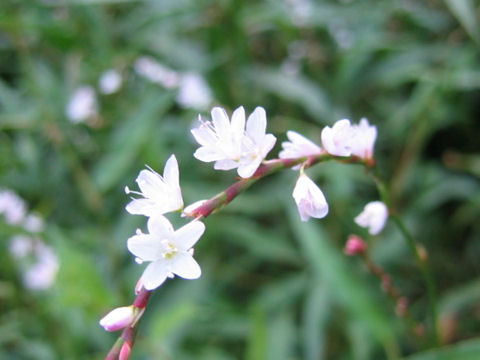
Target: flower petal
[257,124]
[221,122]
[188,235]
[185,266]
[225,164]
[144,246]
[151,184]
[238,122]
[154,275]
[141,207]
[160,227]
[171,173]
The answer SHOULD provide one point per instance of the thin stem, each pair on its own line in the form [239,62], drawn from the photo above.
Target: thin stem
[412,244]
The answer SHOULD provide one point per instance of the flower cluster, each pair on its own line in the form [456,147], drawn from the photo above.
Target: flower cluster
[241,143]
[38,262]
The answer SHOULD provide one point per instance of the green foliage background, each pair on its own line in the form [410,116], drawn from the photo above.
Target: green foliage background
[272,287]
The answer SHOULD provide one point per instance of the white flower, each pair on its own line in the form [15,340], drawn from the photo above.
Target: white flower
[33,223]
[118,318]
[155,72]
[374,216]
[339,140]
[365,136]
[160,194]
[232,146]
[12,207]
[169,251]
[309,198]
[82,104]
[20,246]
[298,146]
[41,275]
[110,82]
[194,92]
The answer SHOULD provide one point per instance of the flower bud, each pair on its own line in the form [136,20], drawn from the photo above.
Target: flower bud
[355,245]
[118,318]
[125,352]
[309,199]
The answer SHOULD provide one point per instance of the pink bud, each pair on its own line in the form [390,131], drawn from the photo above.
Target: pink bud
[118,318]
[355,245]
[125,352]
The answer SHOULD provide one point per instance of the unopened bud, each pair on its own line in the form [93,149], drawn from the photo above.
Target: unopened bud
[192,209]
[125,352]
[355,245]
[422,253]
[118,318]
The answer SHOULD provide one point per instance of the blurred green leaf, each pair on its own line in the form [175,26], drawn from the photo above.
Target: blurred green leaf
[465,350]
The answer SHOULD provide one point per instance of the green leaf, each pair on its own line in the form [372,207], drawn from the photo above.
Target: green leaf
[466,14]
[465,350]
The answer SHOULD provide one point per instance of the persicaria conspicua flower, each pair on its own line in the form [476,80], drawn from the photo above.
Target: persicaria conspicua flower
[110,82]
[168,251]
[339,140]
[309,199]
[12,207]
[374,216]
[365,136]
[118,318]
[355,245]
[298,146]
[194,92]
[161,194]
[82,105]
[230,145]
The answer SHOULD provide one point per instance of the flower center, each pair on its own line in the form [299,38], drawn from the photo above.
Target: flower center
[169,250]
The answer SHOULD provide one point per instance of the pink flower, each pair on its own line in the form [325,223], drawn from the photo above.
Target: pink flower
[309,199]
[118,318]
[298,146]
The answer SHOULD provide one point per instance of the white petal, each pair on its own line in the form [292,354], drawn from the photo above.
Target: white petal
[374,216]
[204,135]
[309,199]
[154,275]
[144,246]
[248,169]
[151,184]
[267,144]
[238,122]
[221,122]
[188,235]
[225,164]
[160,227]
[141,207]
[208,154]
[185,266]
[257,124]
[171,173]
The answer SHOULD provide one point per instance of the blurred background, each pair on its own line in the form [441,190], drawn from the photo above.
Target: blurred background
[92,90]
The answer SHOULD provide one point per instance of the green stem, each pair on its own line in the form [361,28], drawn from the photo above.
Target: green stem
[412,244]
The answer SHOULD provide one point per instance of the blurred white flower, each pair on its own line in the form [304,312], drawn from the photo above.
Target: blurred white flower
[110,82]
[33,223]
[170,252]
[194,92]
[41,275]
[309,199]
[374,216]
[365,136]
[298,146]
[339,139]
[118,318]
[155,72]
[20,246]
[232,146]
[12,207]
[161,194]
[82,104]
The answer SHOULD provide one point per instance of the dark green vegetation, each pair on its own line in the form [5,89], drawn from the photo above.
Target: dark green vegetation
[272,287]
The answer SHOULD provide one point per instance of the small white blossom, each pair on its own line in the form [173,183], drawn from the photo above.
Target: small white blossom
[118,318]
[110,82]
[161,194]
[232,146]
[168,251]
[374,216]
[155,72]
[20,246]
[194,92]
[12,207]
[41,275]
[309,199]
[339,140]
[298,146]
[33,223]
[82,104]
[365,136]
